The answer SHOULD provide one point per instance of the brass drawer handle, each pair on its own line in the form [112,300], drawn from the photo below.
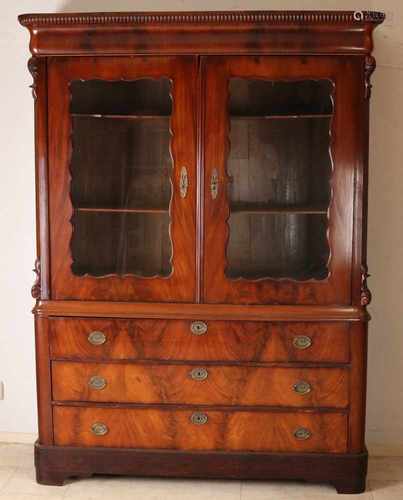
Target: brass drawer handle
[97,338]
[302,387]
[99,429]
[199,418]
[302,342]
[183,182]
[198,328]
[302,434]
[97,383]
[214,184]
[198,374]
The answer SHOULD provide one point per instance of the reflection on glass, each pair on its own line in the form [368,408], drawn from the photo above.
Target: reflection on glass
[280,168]
[121,177]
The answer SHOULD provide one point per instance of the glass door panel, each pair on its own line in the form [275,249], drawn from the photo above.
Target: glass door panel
[280,169]
[279,203]
[122,145]
[121,177]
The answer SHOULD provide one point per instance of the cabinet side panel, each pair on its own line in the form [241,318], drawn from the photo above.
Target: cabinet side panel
[358,386]
[43,381]
[38,69]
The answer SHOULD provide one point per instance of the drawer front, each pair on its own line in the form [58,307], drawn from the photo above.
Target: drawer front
[189,384]
[200,430]
[195,340]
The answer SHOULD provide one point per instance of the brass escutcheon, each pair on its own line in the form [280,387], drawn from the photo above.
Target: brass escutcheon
[198,327]
[183,182]
[97,383]
[302,387]
[302,434]
[214,184]
[99,429]
[199,374]
[97,338]
[199,418]
[302,342]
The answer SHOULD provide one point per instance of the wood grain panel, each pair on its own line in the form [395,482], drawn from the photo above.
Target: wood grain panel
[223,341]
[139,383]
[170,429]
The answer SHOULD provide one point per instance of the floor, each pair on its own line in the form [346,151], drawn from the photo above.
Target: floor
[385,482]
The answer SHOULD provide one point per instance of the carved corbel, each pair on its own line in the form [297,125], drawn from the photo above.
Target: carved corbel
[36,288]
[369,68]
[33,68]
[365,293]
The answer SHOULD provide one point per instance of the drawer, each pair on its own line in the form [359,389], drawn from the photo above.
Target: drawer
[200,430]
[187,340]
[189,384]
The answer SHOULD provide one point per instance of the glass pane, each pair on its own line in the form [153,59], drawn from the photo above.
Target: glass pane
[121,170]
[280,168]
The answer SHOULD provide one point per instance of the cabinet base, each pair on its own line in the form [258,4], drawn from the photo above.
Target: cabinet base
[54,464]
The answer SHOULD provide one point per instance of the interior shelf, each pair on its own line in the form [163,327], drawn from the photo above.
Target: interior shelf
[121,117]
[262,208]
[139,210]
[280,117]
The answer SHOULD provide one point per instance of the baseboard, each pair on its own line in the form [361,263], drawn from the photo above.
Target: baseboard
[18,437]
[374,448]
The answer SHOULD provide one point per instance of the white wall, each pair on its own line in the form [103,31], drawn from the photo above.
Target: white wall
[385,389]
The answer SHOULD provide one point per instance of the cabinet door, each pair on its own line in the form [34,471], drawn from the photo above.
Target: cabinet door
[282,138]
[122,178]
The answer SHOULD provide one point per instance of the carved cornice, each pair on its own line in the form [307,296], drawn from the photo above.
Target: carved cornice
[36,288]
[369,68]
[264,17]
[33,68]
[365,293]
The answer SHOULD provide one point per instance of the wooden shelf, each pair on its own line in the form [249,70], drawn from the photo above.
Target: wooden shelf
[280,117]
[139,210]
[261,208]
[120,117]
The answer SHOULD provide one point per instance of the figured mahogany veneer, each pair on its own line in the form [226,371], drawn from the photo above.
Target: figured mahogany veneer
[174,340]
[173,429]
[133,383]
[226,403]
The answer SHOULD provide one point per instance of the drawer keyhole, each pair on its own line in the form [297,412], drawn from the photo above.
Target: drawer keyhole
[199,418]
[198,328]
[199,374]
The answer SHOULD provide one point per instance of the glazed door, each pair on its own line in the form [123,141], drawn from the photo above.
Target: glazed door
[280,153]
[122,178]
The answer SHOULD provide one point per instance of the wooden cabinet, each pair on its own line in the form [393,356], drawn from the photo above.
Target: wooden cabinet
[201,274]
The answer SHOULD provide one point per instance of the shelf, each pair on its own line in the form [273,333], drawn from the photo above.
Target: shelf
[120,117]
[138,210]
[279,117]
[262,208]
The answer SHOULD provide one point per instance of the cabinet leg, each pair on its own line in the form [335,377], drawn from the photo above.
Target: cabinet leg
[50,477]
[350,486]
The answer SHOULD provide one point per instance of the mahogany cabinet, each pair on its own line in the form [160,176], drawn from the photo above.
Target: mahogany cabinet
[201,225]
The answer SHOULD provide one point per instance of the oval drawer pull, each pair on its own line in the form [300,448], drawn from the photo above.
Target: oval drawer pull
[302,434]
[199,418]
[97,383]
[302,342]
[198,327]
[198,374]
[99,429]
[97,338]
[302,387]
